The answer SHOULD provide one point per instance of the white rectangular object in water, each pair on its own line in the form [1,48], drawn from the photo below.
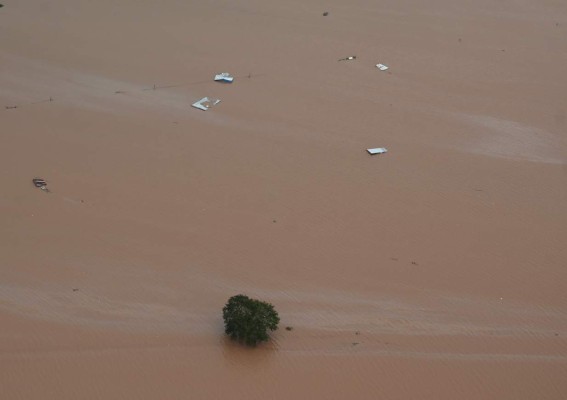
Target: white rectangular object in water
[377,150]
[205,103]
[382,67]
[224,77]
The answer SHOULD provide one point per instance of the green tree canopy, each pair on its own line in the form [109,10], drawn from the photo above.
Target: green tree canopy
[249,320]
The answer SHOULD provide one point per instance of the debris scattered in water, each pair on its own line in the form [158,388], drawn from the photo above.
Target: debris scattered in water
[377,150]
[325,13]
[40,183]
[349,58]
[224,77]
[205,103]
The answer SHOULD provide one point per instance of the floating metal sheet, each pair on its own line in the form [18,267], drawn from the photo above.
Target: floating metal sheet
[224,77]
[205,103]
[377,150]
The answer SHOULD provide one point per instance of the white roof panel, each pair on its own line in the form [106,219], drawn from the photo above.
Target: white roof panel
[377,150]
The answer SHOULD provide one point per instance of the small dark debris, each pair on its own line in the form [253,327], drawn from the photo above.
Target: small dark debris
[355,343]
[11,107]
[414,263]
[325,13]
[289,328]
[347,58]
[394,259]
[75,290]
[557,334]
[460,40]
[357,333]
[274,221]
[40,183]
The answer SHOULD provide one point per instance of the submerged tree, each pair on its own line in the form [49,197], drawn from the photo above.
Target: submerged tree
[248,320]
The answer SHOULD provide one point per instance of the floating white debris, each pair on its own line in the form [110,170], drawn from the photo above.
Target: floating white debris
[224,77]
[349,58]
[377,150]
[382,67]
[205,103]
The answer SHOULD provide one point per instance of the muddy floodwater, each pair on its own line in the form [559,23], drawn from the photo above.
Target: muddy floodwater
[435,270]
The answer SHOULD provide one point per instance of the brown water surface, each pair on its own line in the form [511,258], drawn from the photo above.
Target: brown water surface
[435,271]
